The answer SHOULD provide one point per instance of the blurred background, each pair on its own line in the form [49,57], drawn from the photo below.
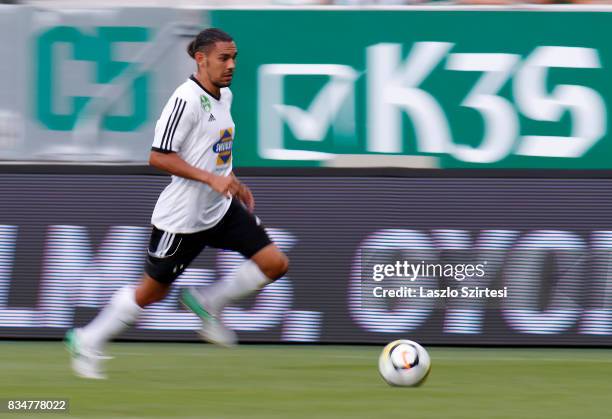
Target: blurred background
[468,132]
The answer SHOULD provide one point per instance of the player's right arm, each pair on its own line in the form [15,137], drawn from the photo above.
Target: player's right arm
[175,165]
[173,126]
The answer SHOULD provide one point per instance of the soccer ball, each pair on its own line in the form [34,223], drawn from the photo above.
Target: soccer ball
[404,363]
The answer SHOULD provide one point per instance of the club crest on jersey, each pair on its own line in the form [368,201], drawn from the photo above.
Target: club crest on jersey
[205,102]
[223,147]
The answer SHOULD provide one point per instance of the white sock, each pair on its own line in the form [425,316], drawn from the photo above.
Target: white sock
[247,279]
[118,315]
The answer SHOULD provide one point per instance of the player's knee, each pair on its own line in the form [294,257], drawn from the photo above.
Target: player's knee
[272,262]
[280,266]
[144,300]
[150,292]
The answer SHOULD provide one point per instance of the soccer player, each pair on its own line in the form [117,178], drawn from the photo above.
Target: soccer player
[204,205]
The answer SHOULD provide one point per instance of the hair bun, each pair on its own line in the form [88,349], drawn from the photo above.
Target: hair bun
[191,48]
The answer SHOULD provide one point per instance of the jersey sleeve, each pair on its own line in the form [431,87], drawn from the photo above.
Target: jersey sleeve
[174,125]
[230,97]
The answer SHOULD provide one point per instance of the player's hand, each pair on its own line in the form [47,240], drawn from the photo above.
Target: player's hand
[246,196]
[225,185]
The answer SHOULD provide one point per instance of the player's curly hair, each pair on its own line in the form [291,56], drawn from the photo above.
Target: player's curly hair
[205,39]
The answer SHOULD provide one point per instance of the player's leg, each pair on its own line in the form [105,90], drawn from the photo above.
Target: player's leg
[123,310]
[240,231]
[264,267]
[87,344]
[273,263]
[168,256]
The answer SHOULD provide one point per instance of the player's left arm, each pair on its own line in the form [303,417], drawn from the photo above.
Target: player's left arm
[244,194]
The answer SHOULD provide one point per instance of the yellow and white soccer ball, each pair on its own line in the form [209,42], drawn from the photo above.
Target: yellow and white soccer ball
[404,363]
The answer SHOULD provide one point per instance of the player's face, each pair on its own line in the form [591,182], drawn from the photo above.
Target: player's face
[220,63]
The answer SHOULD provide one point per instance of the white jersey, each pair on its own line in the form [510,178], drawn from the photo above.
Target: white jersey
[199,128]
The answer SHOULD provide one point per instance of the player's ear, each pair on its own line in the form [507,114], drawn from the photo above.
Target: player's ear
[199,57]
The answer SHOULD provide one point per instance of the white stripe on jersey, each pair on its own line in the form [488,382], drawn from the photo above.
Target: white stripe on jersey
[177,117]
[163,141]
[172,123]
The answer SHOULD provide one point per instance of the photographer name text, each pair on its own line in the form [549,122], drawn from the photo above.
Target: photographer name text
[448,292]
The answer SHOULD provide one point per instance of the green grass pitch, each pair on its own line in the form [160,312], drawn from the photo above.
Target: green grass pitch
[284,381]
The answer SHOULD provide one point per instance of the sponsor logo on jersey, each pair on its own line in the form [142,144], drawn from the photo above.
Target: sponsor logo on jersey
[205,102]
[223,147]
